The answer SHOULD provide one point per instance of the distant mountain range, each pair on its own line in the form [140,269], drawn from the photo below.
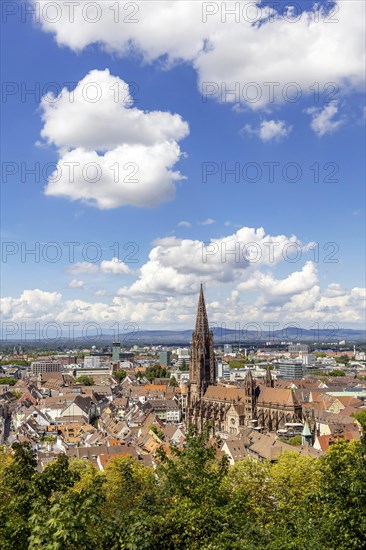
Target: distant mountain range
[231,336]
[221,335]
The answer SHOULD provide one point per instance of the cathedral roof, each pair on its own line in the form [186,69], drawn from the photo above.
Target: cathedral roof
[221,393]
[277,396]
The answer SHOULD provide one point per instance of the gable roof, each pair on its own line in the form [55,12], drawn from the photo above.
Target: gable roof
[277,396]
[325,441]
[235,448]
[223,393]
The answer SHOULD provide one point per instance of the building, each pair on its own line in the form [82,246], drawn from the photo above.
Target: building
[228,408]
[291,370]
[165,358]
[91,362]
[299,349]
[116,350]
[39,367]
[183,358]
[222,370]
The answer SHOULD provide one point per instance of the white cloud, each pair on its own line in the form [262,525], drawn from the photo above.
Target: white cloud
[209,221]
[281,53]
[323,121]
[100,292]
[184,223]
[83,267]
[114,266]
[269,130]
[303,308]
[295,283]
[240,266]
[75,283]
[145,176]
[31,304]
[111,154]
[175,265]
[98,116]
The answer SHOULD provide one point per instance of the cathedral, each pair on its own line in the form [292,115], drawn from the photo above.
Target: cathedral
[229,408]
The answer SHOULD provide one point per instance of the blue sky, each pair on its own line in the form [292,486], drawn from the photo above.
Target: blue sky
[219,132]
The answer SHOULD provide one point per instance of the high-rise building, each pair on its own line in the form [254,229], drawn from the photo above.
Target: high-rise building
[291,370]
[165,358]
[116,350]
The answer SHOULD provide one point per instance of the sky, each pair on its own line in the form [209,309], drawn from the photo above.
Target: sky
[148,147]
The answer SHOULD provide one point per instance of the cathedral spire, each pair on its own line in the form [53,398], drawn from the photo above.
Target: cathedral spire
[202,364]
[201,319]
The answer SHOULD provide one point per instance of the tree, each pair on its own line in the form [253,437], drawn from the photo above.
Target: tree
[120,375]
[157,371]
[343,495]
[18,362]
[191,501]
[7,381]
[17,493]
[183,367]
[337,372]
[84,380]
[173,382]
[343,359]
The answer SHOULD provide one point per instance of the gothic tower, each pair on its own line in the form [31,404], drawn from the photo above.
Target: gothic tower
[202,364]
[268,380]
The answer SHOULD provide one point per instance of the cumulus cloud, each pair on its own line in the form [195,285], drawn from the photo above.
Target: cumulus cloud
[295,283]
[241,266]
[323,120]
[278,55]
[98,116]
[269,130]
[111,154]
[75,283]
[31,304]
[83,267]
[184,223]
[303,308]
[175,265]
[114,266]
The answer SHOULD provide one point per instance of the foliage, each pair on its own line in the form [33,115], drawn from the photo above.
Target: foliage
[173,382]
[344,359]
[337,372]
[183,367]
[295,441]
[18,362]
[237,363]
[157,371]
[157,431]
[120,375]
[361,418]
[7,381]
[193,500]
[84,380]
